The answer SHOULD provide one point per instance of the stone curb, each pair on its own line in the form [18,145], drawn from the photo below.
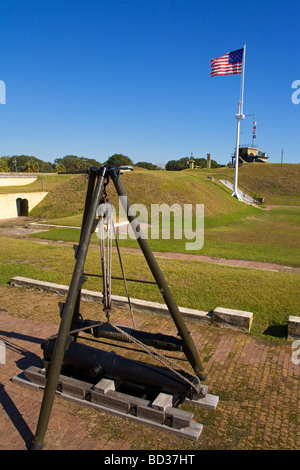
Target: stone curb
[227,318]
[294,327]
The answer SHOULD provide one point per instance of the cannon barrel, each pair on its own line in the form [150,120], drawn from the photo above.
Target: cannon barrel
[98,364]
[156,340]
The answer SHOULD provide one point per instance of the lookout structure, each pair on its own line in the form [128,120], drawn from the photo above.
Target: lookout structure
[250,154]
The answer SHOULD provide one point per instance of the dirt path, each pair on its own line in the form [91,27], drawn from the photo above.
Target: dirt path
[270,207]
[223,261]
[21,228]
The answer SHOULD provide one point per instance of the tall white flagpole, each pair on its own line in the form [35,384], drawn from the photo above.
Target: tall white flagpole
[239,116]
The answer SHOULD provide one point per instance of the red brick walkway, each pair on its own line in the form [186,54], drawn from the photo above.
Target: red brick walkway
[20,405]
[255,379]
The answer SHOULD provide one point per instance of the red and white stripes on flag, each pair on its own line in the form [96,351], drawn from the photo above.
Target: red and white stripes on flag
[228,64]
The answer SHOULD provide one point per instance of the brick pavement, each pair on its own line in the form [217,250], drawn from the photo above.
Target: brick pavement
[255,379]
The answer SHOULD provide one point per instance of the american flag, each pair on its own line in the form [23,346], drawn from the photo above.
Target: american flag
[228,64]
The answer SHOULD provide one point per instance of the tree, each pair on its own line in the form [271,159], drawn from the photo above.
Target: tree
[215,164]
[45,167]
[118,159]
[176,165]
[200,162]
[31,166]
[181,164]
[4,164]
[90,162]
[70,162]
[60,168]
[74,163]
[21,163]
[148,166]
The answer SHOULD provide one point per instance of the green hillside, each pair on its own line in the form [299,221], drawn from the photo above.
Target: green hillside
[64,199]
[182,187]
[276,183]
[143,187]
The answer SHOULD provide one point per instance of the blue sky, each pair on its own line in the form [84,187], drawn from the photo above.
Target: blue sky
[98,77]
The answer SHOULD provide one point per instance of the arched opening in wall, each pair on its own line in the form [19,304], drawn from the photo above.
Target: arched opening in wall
[25,207]
[22,207]
[19,206]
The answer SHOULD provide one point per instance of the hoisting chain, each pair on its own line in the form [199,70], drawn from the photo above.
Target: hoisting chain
[107,230]
[124,277]
[160,358]
[104,230]
[107,226]
[151,351]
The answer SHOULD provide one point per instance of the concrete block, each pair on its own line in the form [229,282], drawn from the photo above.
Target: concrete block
[230,318]
[210,402]
[105,385]
[293,327]
[162,401]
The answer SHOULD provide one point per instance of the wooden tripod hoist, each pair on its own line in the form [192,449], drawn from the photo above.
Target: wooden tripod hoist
[64,348]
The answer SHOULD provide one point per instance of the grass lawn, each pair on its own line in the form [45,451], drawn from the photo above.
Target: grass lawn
[250,234]
[271,296]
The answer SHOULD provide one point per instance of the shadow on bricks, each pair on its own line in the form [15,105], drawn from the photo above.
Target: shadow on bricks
[28,357]
[15,416]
